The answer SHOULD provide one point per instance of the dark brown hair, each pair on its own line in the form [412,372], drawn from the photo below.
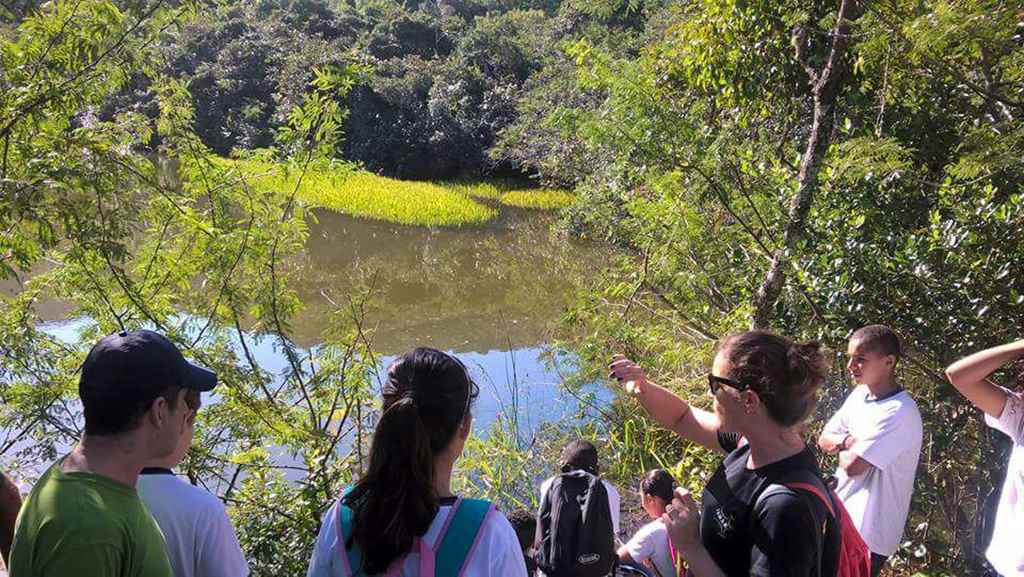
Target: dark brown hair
[879,339]
[785,375]
[579,455]
[525,525]
[426,398]
[658,483]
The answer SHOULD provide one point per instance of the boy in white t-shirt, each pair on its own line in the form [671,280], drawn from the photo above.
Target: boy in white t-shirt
[877,434]
[650,546]
[1004,411]
[200,539]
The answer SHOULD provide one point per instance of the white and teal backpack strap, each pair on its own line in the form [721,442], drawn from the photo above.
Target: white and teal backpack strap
[458,538]
[350,558]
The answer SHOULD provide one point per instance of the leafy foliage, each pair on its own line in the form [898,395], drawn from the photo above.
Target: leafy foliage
[92,221]
[695,146]
[684,128]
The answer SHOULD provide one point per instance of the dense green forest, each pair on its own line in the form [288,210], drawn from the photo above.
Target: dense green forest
[805,166]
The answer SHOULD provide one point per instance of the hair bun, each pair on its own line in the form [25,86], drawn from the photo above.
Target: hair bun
[807,365]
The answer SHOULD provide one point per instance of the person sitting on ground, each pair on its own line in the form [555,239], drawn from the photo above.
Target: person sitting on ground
[877,433]
[10,504]
[650,546]
[84,516]
[1004,411]
[580,455]
[525,525]
[402,512]
[764,387]
[200,539]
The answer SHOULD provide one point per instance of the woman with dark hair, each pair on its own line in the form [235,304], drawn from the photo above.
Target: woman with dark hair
[401,517]
[650,546]
[750,521]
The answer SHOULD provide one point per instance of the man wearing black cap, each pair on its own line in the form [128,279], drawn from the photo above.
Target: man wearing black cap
[84,517]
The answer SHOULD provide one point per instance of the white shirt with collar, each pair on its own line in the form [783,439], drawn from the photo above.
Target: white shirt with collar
[888,433]
[1005,552]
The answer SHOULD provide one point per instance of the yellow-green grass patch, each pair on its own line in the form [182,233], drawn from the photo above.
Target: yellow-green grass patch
[367,195]
[542,198]
[477,189]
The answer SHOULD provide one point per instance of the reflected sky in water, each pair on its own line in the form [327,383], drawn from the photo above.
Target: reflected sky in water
[491,295]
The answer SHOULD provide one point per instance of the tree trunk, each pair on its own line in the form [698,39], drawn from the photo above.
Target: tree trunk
[826,85]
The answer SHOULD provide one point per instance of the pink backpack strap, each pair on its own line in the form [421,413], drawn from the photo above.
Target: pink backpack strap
[677,560]
[426,560]
[428,555]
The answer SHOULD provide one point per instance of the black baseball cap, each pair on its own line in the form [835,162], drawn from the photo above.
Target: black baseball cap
[140,364]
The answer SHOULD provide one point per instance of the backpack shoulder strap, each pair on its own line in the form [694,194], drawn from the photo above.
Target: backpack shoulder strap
[349,557]
[776,488]
[810,488]
[460,538]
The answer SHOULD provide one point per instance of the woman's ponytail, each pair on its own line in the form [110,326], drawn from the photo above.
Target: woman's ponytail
[387,522]
[426,398]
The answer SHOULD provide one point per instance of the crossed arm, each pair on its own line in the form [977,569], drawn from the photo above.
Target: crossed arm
[833,442]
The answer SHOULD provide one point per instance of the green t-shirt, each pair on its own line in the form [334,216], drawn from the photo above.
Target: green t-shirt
[86,525]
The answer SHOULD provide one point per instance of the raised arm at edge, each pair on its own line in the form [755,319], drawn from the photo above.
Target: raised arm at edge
[970,376]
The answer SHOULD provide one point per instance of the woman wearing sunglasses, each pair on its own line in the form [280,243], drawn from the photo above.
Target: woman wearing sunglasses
[749,522]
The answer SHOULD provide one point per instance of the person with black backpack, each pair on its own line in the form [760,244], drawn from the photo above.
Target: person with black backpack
[765,512]
[578,518]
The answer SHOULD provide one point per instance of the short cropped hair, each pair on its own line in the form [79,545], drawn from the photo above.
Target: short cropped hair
[579,455]
[879,339]
[108,414]
[525,526]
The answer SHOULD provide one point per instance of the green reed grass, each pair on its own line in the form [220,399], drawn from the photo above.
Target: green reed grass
[367,195]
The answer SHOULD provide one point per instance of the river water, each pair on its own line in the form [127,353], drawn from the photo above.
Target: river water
[491,295]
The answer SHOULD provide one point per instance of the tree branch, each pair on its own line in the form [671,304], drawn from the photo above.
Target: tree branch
[826,85]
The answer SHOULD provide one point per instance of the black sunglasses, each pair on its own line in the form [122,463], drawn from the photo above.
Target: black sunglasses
[715,383]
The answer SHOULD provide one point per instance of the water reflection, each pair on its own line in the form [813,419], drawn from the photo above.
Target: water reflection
[489,294]
[492,288]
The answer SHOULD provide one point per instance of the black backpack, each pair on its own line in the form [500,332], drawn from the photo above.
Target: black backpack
[575,537]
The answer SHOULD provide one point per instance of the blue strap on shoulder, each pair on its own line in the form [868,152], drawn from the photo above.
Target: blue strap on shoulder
[456,544]
[460,537]
[355,557]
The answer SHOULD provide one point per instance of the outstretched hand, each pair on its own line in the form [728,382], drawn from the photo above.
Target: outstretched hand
[629,373]
[682,519]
